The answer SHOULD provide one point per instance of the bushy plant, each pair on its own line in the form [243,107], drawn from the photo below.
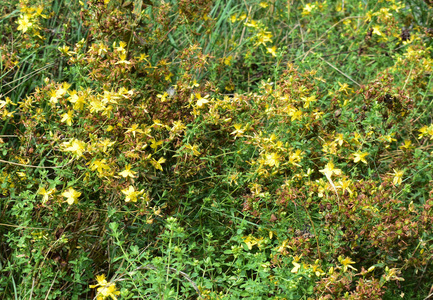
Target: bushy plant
[216,149]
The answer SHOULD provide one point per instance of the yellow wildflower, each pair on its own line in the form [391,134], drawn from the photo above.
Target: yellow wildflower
[157,163]
[228,60]
[65,50]
[71,196]
[193,148]
[339,139]
[99,165]
[131,194]
[76,99]
[344,185]
[344,88]
[272,159]
[263,37]
[134,129]
[178,127]
[308,9]
[163,97]
[392,274]
[251,23]
[46,194]
[360,156]
[296,264]
[330,170]
[346,262]
[308,100]
[238,130]
[105,289]
[104,144]
[398,177]
[75,146]
[272,50]
[67,117]
[407,145]
[251,241]
[127,172]
[24,23]
[155,144]
[376,30]
[201,100]
[296,268]
[242,17]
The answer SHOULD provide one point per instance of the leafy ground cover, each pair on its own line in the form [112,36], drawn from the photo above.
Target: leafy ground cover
[216,149]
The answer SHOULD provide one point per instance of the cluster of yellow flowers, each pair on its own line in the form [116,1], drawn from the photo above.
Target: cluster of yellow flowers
[28,21]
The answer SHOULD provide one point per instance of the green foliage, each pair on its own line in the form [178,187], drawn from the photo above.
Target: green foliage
[216,149]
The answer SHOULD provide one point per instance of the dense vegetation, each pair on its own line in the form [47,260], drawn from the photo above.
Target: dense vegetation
[226,149]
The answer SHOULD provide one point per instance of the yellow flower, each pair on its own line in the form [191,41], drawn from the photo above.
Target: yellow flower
[102,49]
[46,194]
[360,156]
[63,89]
[345,185]
[131,194]
[24,23]
[157,163]
[346,262]
[163,97]
[376,30]
[53,97]
[251,241]
[308,9]
[77,100]
[296,264]
[67,117]
[344,88]
[398,177]
[238,130]
[201,100]
[407,145]
[75,146]
[228,60]
[127,172]
[252,23]
[134,129]
[242,17]
[330,170]
[193,148]
[263,37]
[143,57]
[101,281]
[105,289]
[168,78]
[104,144]
[272,50]
[65,50]
[392,274]
[308,100]
[71,196]
[339,139]
[155,144]
[296,268]
[178,127]
[272,160]
[99,165]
